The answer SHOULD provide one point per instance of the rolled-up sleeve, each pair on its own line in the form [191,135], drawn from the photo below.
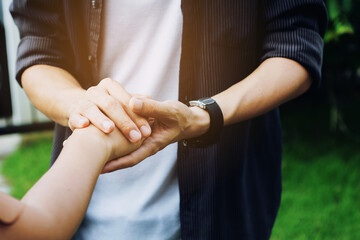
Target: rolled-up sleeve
[294,29]
[43,38]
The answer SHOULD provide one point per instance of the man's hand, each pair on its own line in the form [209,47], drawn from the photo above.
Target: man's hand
[106,106]
[172,121]
[57,94]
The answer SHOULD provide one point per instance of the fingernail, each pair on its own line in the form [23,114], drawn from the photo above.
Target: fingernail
[107,125]
[137,104]
[82,122]
[135,135]
[145,131]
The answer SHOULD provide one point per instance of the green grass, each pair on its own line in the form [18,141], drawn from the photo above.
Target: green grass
[28,163]
[321,195]
[321,180]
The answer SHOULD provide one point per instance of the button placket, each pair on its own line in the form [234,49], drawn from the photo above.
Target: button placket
[93,4]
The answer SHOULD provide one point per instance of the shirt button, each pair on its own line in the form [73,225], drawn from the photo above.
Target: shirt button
[90,57]
[186,98]
[94,4]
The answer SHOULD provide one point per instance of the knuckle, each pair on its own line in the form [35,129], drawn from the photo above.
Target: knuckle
[171,102]
[126,125]
[128,110]
[150,108]
[105,82]
[141,122]
[91,91]
[110,103]
[77,106]
[86,107]
[133,163]
[153,151]
[73,110]
[156,147]
[172,106]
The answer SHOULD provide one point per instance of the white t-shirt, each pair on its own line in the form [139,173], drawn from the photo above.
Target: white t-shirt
[140,48]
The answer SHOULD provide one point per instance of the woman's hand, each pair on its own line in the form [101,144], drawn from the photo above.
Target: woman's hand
[106,106]
[173,121]
[111,146]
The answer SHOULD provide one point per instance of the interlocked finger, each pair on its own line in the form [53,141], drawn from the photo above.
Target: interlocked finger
[77,121]
[113,108]
[115,90]
[97,118]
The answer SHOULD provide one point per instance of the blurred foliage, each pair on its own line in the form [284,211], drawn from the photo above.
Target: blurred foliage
[341,68]
[321,175]
[339,24]
[28,163]
[342,37]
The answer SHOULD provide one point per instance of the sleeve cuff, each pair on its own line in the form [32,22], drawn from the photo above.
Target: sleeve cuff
[43,50]
[302,45]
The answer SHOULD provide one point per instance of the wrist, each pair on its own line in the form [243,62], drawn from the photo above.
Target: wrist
[74,98]
[214,123]
[200,122]
[92,141]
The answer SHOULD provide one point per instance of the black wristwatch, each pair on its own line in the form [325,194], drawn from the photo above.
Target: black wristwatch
[216,123]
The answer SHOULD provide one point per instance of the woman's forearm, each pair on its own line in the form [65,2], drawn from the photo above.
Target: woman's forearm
[56,204]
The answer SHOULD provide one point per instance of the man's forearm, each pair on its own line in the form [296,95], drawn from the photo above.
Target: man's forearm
[52,90]
[57,94]
[274,82]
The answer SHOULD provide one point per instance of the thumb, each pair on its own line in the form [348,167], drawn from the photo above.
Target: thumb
[149,108]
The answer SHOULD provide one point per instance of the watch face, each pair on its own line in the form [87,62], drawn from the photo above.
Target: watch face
[207,101]
[196,103]
[216,124]
[202,102]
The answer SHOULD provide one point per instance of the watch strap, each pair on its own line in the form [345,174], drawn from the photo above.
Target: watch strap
[216,124]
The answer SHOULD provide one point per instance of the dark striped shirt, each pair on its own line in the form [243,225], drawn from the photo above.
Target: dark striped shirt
[230,190]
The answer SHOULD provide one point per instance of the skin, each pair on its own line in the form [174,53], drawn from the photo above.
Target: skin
[64,101]
[54,207]
[275,81]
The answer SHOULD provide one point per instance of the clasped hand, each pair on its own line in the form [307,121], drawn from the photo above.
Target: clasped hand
[109,104]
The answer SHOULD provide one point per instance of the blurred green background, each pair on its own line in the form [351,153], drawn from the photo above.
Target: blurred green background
[321,135]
